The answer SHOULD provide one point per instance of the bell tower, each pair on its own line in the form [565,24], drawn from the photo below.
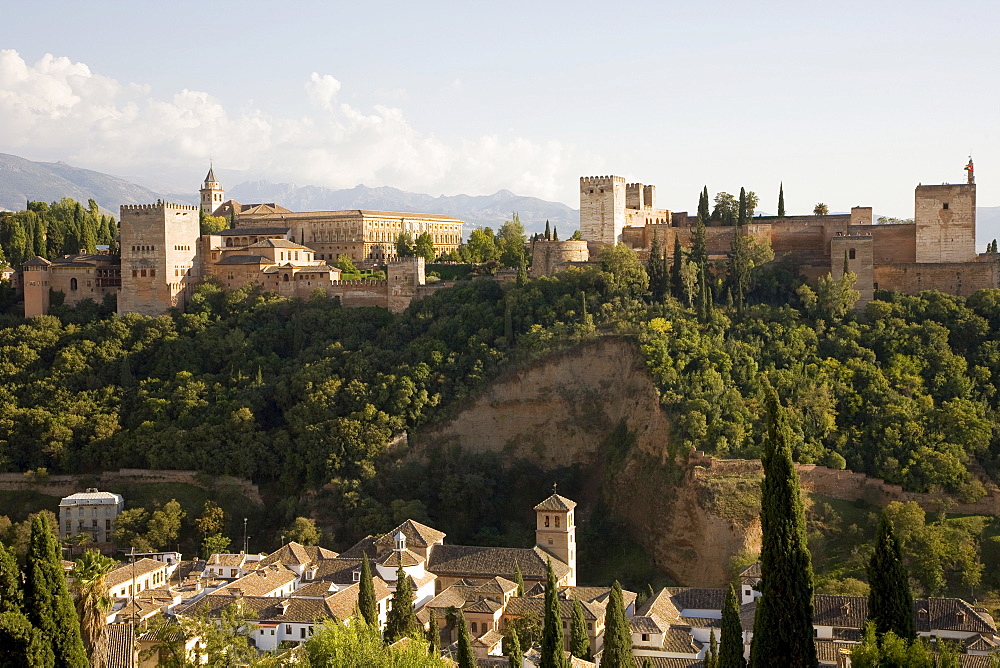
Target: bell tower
[555,531]
[212,194]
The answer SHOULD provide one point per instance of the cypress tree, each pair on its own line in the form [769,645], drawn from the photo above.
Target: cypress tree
[781,200]
[703,295]
[617,652]
[21,644]
[712,655]
[555,233]
[731,641]
[744,216]
[518,579]
[548,231]
[704,212]
[39,237]
[657,280]
[402,621]
[433,636]
[783,630]
[10,582]
[552,636]
[515,655]
[890,602]
[699,246]
[676,285]
[47,602]
[466,657]
[366,594]
[579,641]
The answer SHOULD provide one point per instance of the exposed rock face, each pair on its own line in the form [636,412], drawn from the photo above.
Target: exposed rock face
[560,411]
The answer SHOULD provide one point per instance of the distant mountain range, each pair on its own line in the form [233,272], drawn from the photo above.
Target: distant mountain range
[22,180]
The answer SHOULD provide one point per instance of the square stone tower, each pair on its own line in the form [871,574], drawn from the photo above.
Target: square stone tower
[602,209]
[160,257]
[945,217]
[858,251]
[555,531]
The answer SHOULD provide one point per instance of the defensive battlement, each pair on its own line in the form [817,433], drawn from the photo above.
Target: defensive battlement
[360,284]
[600,180]
[157,207]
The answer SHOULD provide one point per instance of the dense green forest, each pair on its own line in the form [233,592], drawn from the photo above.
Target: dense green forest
[52,230]
[303,394]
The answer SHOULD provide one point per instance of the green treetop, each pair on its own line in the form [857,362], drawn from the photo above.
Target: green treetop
[552,636]
[466,657]
[890,603]
[402,621]
[781,200]
[783,630]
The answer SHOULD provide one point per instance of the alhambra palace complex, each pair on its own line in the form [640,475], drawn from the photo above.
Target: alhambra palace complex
[163,254]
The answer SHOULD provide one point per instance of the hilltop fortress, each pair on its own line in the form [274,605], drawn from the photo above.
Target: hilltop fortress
[936,251]
[164,255]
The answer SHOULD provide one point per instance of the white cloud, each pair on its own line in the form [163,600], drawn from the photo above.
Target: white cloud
[58,107]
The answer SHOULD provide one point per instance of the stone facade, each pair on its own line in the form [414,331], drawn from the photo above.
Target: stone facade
[602,209]
[159,255]
[549,257]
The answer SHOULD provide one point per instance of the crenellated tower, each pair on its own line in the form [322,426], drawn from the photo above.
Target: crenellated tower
[602,209]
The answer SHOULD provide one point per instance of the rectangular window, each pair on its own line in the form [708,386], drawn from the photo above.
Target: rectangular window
[288,629]
[302,632]
[946,205]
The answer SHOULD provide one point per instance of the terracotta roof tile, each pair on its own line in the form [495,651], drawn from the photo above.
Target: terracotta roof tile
[556,503]
[473,561]
[417,535]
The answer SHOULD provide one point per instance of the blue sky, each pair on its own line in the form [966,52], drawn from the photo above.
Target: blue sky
[849,103]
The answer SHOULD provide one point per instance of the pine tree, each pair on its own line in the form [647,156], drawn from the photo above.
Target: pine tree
[433,636]
[657,280]
[712,655]
[47,602]
[617,652]
[731,640]
[466,657]
[676,284]
[402,621]
[890,602]
[552,636]
[515,655]
[548,231]
[366,594]
[781,200]
[579,641]
[783,630]
[518,579]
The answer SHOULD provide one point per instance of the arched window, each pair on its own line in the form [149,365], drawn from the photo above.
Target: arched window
[286,277]
[557,521]
[851,254]
[475,627]
[72,284]
[546,520]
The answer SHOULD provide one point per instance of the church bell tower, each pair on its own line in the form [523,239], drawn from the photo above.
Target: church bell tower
[555,531]
[212,194]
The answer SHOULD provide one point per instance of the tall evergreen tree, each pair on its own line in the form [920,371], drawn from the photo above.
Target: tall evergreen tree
[466,657]
[676,284]
[579,641]
[552,635]
[402,621]
[890,602]
[712,655]
[744,216]
[781,200]
[21,644]
[11,596]
[704,209]
[699,244]
[783,630]
[617,652]
[518,579]
[731,640]
[515,656]
[548,231]
[657,279]
[555,233]
[433,636]
[47,602]
[366,594]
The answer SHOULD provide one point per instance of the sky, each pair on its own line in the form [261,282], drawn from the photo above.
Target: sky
[847,103]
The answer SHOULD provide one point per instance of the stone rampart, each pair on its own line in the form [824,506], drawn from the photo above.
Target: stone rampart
[64,485]
[851,486]
[957,278]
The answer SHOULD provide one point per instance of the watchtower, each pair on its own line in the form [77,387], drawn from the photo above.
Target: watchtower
[212,194]
[35,280]
[945,217]
[160,257]
[555,531]
[602,209]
